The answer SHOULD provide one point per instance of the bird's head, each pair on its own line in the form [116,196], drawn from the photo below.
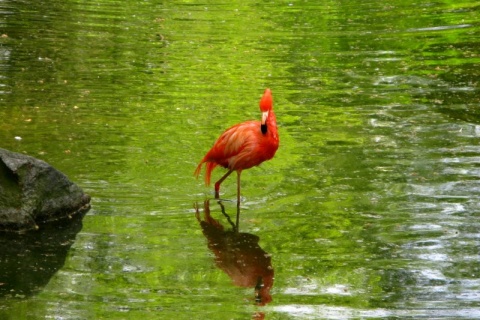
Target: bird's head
[266,104]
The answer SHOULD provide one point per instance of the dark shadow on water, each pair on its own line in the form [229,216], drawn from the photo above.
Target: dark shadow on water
[238,254]
[28,261]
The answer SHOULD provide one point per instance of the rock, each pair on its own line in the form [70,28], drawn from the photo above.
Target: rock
[32,193]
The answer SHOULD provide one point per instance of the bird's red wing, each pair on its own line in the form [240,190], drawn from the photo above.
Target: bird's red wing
[233,142]
[236,149]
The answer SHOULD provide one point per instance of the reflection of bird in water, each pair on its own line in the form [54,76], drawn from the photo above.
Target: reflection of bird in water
[238,255]
[243,146]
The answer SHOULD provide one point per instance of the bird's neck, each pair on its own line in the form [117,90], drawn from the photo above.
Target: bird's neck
[272,120]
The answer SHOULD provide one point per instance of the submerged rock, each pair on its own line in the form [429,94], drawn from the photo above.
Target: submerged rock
[32,192]
[29,260]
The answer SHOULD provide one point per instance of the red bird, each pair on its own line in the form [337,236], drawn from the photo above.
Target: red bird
[243,146]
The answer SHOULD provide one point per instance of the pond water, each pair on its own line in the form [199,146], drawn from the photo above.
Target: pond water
[369,210]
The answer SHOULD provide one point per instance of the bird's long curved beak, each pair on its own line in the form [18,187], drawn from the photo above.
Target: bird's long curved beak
[264,117]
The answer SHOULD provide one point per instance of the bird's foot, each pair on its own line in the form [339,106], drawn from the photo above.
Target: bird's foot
[225,200]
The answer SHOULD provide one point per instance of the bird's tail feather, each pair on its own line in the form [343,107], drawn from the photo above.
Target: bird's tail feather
[199,168]
[208,173]
[210,166]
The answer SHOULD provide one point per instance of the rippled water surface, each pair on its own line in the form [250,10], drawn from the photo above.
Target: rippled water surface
[369,210]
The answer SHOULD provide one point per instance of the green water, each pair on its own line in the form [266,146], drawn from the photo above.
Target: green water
[369,210]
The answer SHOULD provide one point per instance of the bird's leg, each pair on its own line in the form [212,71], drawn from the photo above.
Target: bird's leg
[226,214]
[238,187]
[219,182]
[238,198]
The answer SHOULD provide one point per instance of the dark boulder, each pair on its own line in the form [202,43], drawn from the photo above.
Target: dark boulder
[32,192]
